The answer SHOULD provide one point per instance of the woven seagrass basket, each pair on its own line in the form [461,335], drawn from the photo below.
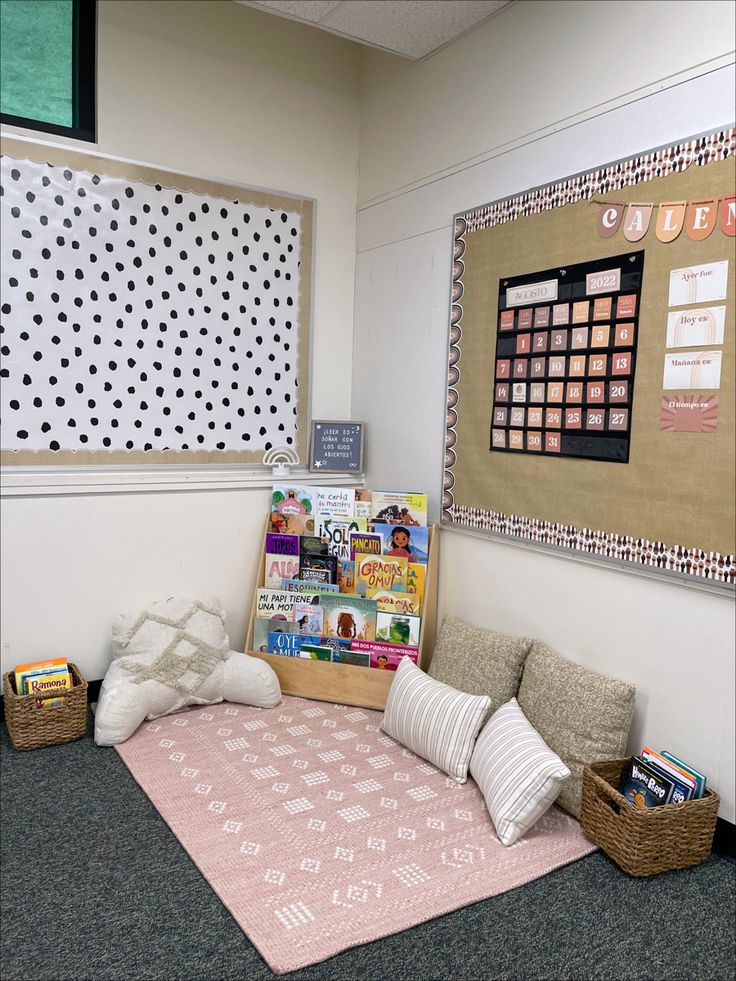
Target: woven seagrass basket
[34,728]
[658,839]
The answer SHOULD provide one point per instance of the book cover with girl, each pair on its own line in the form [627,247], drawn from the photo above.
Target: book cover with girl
[404,541]
[308,618]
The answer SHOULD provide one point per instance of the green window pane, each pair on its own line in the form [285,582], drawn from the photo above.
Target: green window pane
[36,67]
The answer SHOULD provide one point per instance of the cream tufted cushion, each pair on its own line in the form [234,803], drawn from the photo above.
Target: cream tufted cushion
[175,653]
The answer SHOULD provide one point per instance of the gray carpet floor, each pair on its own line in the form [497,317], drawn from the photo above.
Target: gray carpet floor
[94,887]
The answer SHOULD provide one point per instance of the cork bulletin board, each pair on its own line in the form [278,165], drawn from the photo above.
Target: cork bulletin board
[591,380]
[149,316]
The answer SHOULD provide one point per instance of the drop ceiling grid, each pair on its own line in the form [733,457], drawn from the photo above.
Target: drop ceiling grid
[412,28]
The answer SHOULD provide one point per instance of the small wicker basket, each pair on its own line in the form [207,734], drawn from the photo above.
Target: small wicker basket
[34,728]
[658,839]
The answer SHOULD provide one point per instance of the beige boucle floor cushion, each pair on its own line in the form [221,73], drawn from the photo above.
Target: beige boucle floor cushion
[479,661]
[170,655]
[581,715]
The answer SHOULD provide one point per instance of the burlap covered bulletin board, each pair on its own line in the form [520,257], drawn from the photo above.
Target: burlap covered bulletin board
[591,363]
[149,316]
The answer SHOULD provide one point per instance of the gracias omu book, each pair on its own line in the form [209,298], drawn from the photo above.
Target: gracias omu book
[380,572]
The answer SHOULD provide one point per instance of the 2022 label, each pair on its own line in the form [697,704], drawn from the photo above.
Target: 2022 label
[566,358]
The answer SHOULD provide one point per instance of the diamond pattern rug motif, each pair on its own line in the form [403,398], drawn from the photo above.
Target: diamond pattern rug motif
[319,832]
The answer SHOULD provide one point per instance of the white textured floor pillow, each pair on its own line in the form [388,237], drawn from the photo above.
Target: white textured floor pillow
[518,774]
[173,654]
[433,720]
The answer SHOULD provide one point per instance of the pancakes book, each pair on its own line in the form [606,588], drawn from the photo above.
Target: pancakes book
[388,602]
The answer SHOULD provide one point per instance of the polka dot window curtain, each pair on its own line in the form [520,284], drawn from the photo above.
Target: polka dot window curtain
[147,322]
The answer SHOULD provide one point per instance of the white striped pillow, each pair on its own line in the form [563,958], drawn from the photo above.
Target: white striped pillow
[518,774]
[434,720]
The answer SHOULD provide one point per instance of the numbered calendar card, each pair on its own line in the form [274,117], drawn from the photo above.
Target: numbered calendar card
[565,360]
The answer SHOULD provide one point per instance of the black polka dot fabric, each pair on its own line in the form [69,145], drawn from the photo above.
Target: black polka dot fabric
[137,317]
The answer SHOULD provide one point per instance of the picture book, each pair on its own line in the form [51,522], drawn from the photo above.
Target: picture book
[336,533]
[316,653]
[643,788]
[50,703]
[262,626]
[310,588]
[399,508]
[365,542]
[282,544]
[317,568]
[385,656]
[292,499]
[23,671]
[308,618]
[270,602]
[44,683]
[398,629]
[411,543]
[700,778]
[335,643]
[346,577]
[356,658]
[259,641]
[363,503]
[334,502]
[313,544]
[388,602]
[280,567]
[415,575]
[288,644]
[349,617]
[380,572]
[291,524]
[685,786]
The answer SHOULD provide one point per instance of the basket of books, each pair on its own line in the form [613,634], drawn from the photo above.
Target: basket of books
[643,836]
[45,704]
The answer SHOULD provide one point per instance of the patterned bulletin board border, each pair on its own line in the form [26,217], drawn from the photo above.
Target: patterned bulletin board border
[675,558]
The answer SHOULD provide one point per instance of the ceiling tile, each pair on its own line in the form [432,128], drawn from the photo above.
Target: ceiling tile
[311,10]
[413,27]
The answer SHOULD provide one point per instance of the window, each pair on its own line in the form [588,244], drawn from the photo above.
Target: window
[47,66]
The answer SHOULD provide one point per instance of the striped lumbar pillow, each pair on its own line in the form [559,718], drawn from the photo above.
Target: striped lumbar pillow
[434,720]
[518,774]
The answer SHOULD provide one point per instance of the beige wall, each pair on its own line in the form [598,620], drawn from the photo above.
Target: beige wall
[538,92]
[533,68]
[219,90]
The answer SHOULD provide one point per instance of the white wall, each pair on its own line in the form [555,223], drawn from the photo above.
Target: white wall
[489,116]
[221,90]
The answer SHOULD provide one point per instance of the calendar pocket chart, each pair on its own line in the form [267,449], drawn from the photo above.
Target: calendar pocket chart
[566,358]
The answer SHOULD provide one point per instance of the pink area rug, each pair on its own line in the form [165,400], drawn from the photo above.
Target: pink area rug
[319,832]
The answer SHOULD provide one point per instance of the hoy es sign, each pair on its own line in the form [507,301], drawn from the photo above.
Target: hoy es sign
[698,218]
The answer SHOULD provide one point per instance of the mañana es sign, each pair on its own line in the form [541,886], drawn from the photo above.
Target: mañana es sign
[698,218]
